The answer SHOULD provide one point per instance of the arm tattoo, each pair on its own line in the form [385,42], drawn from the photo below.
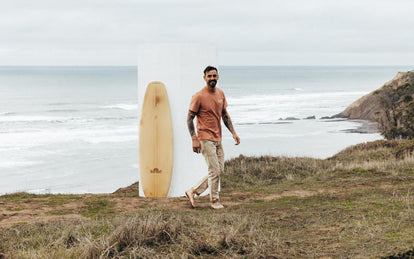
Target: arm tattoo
[227,121]
[190,123]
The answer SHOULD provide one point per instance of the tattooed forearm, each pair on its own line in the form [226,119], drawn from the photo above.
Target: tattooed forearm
[190,123]
[227,121]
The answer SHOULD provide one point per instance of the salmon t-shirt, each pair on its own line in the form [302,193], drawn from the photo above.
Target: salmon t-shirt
[209,107]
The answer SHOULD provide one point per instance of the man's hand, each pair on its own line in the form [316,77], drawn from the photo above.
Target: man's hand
[229,125]
[236,138]
[190,124]
[196,145]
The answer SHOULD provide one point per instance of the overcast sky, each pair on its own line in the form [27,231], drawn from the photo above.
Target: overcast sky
[254,32]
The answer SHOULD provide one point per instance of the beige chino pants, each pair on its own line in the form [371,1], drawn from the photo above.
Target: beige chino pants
[214,155]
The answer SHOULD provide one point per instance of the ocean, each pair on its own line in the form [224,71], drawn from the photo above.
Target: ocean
[75,129]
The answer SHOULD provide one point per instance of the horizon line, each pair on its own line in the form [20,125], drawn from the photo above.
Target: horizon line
[218,66]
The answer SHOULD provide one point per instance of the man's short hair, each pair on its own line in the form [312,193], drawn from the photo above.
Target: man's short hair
[208,69]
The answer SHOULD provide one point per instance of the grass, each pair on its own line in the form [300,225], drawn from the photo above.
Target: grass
[97,207]
[356,204]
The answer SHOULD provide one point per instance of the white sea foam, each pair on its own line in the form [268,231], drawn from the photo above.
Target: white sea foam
[16,164]
[122,106]
[54,136]
[112,139]
[27,118]
[293,98]
[270,109]
[40,191]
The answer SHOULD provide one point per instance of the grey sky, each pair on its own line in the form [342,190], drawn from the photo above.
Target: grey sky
[260,32]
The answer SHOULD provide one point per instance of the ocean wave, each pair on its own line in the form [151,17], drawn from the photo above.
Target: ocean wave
[122,106]
[23,118]
[62,110]
[14,164]
[268,109]
[58,136]
[59,104]
[7,113]
[263,123]
[112,139]
[60,119]
[117,118]
[294,98]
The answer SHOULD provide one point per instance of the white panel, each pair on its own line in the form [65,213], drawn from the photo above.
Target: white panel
[180,67]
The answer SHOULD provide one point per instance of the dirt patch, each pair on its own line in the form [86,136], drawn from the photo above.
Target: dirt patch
[33,210]
[326,231]
[296,193]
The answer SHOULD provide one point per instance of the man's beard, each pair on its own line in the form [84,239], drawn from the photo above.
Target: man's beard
[212,83]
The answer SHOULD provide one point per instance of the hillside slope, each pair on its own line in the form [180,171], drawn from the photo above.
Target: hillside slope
[368,106]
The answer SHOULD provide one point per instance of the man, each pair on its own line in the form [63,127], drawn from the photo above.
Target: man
[209,106]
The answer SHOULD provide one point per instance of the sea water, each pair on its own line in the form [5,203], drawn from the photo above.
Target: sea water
[75,129]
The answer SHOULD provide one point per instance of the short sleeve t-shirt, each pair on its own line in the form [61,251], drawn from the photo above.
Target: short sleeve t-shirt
[209,107]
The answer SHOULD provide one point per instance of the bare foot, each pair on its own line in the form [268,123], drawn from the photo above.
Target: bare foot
[217,205]
[190,196]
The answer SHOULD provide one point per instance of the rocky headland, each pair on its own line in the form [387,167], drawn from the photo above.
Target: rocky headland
[369,107]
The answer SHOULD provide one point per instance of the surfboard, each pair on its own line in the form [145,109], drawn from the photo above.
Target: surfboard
[155,142]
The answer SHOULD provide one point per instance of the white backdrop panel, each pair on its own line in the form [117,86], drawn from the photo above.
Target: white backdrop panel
[180,67]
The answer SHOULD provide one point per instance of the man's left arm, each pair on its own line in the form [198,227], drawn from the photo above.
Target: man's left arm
[229,125]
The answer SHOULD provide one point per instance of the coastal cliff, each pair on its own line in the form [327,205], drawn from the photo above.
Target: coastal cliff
[369,106]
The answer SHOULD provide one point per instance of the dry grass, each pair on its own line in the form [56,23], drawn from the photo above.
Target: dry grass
[150,234]
[357,204]
[259,172]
